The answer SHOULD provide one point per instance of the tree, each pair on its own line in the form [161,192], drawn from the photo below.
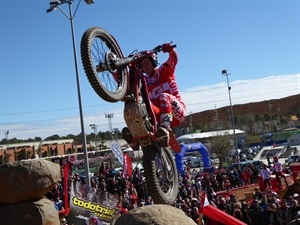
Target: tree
[38,139]
[220,145]
[53,138]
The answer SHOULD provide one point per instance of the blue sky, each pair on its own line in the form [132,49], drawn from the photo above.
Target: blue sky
[258,42]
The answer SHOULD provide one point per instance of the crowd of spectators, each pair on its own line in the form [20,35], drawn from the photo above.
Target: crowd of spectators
[264,208]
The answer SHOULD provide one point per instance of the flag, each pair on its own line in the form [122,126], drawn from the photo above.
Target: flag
[66,169]
[203,203]
[117,150]
[215,214]
[127,165]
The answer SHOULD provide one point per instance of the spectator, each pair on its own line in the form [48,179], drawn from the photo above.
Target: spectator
[266,176]
[244,210]
[257,194]
[284,214]
[195,214]
[93,220]
[256,213]
[227,183]
[264,204]
[211,194]
[134,195]
[272,215]
[77,185]
[237,213]
[93,191]
[255,173]
[64,221]
[248,175]
[142,202]
[58,203]
[56,192]
[220,179]
[149,201]
[102,190]
[232,200]
[127,200]
[295,209]
[223,205]
[279,172]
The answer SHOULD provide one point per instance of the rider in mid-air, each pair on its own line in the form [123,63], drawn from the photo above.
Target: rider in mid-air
[163,93]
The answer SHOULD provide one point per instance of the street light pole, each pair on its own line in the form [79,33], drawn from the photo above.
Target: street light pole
[116,130]
[94,127]
[271,119]
[5,160]
[109,116]
[224,73]
[191,125]
[279,121]
[54,4]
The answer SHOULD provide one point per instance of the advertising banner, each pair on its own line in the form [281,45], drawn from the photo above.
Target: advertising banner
[117,150]
[99,205]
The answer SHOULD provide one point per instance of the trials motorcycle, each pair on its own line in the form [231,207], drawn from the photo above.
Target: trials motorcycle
[117,78]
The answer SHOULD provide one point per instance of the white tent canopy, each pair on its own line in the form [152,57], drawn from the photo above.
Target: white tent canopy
[189,137]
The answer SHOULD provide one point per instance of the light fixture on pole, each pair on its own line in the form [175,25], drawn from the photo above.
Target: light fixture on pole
[54,4]
[89,2]
[109,116]
[224,73]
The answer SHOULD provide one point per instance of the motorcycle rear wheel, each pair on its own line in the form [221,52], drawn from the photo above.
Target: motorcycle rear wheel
[162,189]
[95,43]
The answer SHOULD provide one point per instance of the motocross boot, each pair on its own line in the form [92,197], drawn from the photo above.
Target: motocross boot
[163,136]
[129,138]
[164,129]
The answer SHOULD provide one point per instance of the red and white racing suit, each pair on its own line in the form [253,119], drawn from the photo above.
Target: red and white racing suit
[163,91]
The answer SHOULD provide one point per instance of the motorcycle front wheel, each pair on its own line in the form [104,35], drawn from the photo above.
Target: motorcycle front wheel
[95,44]
[161,177]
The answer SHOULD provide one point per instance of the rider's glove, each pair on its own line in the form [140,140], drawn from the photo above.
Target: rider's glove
[167,47]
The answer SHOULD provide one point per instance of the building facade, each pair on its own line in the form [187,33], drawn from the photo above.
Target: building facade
[16,152]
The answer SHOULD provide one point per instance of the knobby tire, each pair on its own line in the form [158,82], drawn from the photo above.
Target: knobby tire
[95,42]
[153,184]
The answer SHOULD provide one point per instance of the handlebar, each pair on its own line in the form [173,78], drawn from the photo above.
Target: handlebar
[139,55]
[159,47]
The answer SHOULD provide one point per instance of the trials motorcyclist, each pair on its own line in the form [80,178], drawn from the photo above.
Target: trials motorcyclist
[164,94]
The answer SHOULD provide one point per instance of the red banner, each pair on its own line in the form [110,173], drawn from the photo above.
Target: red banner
[127,165]
[202,202]
[66,169]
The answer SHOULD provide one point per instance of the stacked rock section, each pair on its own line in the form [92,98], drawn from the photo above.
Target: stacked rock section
[23,188]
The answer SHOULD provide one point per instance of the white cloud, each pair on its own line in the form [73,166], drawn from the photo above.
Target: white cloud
[202,98]
[197,99]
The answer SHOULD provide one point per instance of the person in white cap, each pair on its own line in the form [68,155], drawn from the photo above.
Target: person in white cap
[279,172]
[266,176]
[93,220]
[64,221]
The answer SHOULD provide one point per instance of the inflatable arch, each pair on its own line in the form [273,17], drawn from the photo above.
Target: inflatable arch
[192,148]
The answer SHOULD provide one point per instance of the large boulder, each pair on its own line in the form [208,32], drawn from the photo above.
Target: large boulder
[155,214]
[41,212]
[28,180]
